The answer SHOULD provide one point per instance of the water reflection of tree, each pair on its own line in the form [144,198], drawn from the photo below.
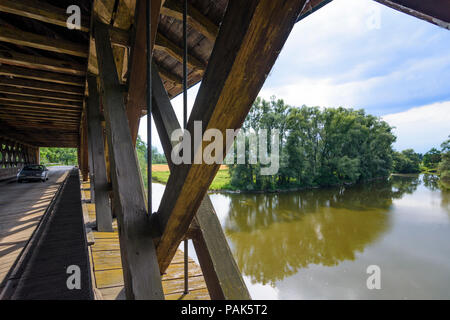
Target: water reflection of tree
[445,200]
[275,235]
[431,181]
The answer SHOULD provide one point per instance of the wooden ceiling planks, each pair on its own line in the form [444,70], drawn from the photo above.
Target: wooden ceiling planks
[43,62]
[42,71]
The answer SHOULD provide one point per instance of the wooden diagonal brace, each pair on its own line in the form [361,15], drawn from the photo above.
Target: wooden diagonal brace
[250,38]
[141,272]
[220,270]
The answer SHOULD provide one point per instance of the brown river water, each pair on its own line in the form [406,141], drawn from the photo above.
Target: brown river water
[318,244]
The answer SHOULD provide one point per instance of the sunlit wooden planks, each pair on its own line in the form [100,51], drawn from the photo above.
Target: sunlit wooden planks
[108,273]
[19,218]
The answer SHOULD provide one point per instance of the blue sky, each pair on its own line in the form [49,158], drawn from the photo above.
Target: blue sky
[361,54]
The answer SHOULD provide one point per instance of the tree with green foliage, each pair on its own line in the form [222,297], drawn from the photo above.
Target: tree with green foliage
[407,161]
[318,147]
[141,151]
[444,165]
[65,156]
[432,158]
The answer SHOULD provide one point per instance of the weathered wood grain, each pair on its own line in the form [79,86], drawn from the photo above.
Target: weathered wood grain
[142,276]
[28,39]
[196,19]
[221,272]
[95,131]
[25,73]
[138,64]
[40,11]
[250,39]
[43,86]
[41,63]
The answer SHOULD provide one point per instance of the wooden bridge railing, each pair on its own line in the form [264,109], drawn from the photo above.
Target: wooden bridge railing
[14,155]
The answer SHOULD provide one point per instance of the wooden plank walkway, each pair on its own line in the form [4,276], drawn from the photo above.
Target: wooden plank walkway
[60,242]
[107,267]
[21,209]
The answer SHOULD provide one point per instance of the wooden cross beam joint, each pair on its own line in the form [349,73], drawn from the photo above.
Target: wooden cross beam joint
[250,39]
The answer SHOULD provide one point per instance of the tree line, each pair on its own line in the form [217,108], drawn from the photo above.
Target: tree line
[63,156]
[326,146]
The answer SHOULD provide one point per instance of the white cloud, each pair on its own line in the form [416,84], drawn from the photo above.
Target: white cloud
[421,128]
[177,104]
[333,58]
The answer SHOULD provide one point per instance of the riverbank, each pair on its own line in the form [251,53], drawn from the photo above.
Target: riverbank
[221,182]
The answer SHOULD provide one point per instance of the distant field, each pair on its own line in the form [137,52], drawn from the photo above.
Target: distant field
[160,173]
[165,167]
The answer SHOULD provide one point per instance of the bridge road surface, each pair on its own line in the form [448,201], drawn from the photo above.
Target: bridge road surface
[21,208]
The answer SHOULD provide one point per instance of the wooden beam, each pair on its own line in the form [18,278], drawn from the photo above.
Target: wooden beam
[164,44]
[84,152]
[196,19]
[25,73]
[141,273]
[34,99]
[41,63]
[37,119]
[36,115]
[41,11]
[100,181]
[221,272]
[136,99]
[44,86]
[10,111]
[25,93]
[33,40]
[168,76]
[39,124]
[38,105]
[251,36]
[311,7]
[30,111]
[433,11]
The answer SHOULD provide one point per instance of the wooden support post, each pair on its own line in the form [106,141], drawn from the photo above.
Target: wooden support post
[138,66]
[91,170]
[37,157]
[84,148]
[222,275]
[141,272]
[251,36]
[100,181]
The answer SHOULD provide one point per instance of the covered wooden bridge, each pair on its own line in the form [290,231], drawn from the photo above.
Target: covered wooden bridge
[76,73]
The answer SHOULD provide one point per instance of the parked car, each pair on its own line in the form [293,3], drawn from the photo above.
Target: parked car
[33,172]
